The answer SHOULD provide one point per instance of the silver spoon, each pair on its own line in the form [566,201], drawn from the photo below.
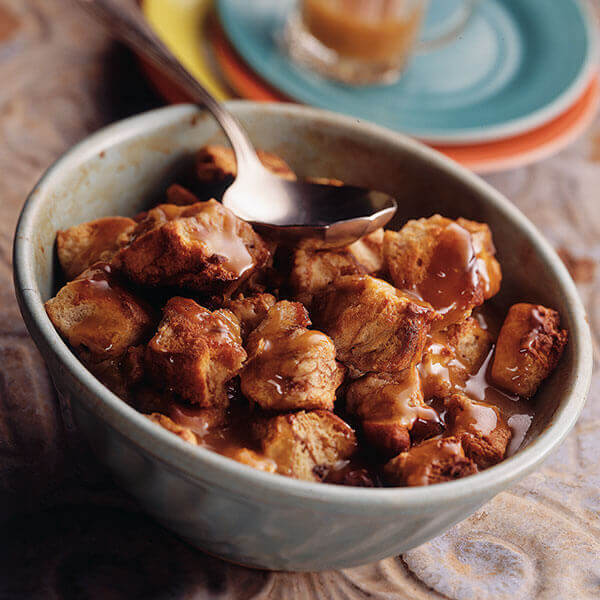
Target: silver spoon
[286,210]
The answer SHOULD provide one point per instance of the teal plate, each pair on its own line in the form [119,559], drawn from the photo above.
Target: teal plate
[518,64]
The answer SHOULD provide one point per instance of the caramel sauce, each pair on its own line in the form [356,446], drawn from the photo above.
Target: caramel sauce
[519,426]
[199,420]
[235,440]
[454,275]
[215,325]
[478,386]
[225,243]
[476,417]
[98,284]
[284,350]
[400,403]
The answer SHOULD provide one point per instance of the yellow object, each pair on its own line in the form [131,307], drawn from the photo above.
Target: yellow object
[179,23]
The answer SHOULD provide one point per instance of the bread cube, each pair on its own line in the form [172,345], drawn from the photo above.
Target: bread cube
[529,347]
[290,367]
[374,326]
[216,164]
[98,317]
[195,352]
[433,461]
[470,342]
[450,264]
[480,427]
[250,311]
[81,246]
[306,445]
[203,247]
[452,355]
[388,407]
[314,270]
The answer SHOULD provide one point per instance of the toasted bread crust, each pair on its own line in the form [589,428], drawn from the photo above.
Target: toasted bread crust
[306,444]
[375,327]
[529,347]
[289,366]
[195,352]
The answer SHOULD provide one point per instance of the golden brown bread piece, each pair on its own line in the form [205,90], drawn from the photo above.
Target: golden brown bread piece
[216,164]
[529,347]
[195,352]
[433,461]
[480,427]
[290,367]
[250,310]
[388,406]
[203,247]
[306,445]
[448,263]
[98,317]
[374,326]
[183,432]
[81,246]
[451,355]
[471,343]
[313,270]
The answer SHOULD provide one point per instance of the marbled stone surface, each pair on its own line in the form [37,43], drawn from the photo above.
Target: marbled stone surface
[67,532]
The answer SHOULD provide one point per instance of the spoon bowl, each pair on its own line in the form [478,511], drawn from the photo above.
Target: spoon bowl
[289,211]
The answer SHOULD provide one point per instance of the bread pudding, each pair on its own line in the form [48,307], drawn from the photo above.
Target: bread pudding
[384,363]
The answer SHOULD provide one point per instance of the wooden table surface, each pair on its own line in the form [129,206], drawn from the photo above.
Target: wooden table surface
[67,532]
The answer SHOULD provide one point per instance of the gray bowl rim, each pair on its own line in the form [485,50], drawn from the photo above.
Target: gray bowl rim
[189,460]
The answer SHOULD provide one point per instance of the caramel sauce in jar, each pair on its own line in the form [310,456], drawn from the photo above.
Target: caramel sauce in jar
[370,30]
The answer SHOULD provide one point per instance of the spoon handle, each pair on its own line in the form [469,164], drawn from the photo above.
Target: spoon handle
[125,22]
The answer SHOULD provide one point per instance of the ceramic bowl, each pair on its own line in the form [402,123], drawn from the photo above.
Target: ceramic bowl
[221,506]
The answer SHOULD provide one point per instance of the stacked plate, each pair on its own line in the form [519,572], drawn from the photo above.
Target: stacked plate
[517,85]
